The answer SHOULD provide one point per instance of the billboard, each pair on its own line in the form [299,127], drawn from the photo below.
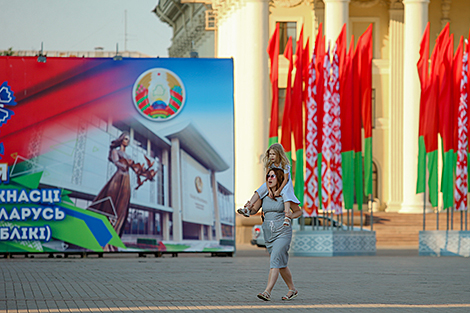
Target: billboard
[105,155]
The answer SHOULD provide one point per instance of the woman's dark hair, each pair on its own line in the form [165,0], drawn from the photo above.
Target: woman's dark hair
[279,175]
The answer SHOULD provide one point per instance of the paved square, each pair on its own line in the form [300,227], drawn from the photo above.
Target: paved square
[392,281]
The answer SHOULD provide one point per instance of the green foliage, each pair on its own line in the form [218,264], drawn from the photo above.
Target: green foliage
[8,52]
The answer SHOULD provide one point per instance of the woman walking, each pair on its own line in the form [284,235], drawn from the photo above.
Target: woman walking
[277,236]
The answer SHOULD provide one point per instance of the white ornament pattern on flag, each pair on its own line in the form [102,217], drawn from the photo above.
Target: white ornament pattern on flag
[328,141]
[461,183]
[337,197]
[311,146]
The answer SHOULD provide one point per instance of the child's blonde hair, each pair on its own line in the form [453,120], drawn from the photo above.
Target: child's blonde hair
[281,155]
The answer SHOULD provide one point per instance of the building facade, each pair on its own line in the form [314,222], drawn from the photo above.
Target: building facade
[240,29]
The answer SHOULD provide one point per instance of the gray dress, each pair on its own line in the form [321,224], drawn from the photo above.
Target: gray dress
[276,235]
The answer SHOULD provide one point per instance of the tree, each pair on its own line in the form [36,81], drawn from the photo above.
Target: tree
[8,52]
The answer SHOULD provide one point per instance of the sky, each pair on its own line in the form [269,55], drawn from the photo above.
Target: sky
[83,25]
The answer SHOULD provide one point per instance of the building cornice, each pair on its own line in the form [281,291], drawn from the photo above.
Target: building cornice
[288,3]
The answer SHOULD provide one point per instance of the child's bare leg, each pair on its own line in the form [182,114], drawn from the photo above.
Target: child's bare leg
[253,200]
[249,205]
[256,206]
[287,219]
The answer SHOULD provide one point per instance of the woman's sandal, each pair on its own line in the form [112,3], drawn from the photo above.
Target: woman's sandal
[286,221]
[288,297]
[266,296]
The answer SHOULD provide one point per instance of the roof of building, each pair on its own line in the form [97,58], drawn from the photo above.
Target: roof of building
[193,142]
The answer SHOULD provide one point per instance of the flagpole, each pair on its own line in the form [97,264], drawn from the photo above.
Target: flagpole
[466,214]
[461,220]
[466,217]
[424,196]
[352,215]
[341,216]
[452,212]
[452,218]
[371,213]
[424,210]
[447,218]
[361,214]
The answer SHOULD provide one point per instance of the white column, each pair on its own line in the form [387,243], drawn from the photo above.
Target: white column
[416,17]
[166,179]
[243,33]
[218,227]
[166,189]
[336,15]
[396,32]
[166,225]
[176,201]
[201,232]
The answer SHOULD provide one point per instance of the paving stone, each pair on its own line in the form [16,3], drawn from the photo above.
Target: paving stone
[388,282]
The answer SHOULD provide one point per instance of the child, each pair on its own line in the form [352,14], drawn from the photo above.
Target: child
[275,157]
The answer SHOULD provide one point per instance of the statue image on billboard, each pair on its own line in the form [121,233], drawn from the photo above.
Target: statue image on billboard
[114,198]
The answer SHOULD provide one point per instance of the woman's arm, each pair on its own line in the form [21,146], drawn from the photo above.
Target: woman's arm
[115,158]
[294,212]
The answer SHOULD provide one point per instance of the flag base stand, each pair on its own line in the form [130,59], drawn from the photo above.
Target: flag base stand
[332,243]
[444,243]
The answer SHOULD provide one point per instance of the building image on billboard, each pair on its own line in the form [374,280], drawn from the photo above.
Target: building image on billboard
[138,164]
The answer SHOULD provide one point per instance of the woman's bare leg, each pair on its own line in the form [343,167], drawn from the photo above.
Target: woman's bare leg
[287,277]
[272,278]
[255,207]
[253,200]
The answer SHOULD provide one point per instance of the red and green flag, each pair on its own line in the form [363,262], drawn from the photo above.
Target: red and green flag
[286,127]
[331,148]
[357,129]
[311,189]
[365,58]
[305,75]
[273,51]
[429,121]
[455,87]
[446,115]
[297,120]
[461,175]
[432,126]
[320,90]
[347,119]
[468,106]
[423,73]
[456,79]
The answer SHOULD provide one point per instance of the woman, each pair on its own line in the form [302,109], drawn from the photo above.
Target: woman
[113,200]
[277,236]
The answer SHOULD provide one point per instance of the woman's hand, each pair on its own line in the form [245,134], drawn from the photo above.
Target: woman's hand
[289,214]
[294,212]
[277,193]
